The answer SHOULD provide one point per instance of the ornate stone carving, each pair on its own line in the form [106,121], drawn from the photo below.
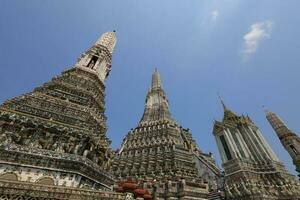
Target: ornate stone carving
[252,170]
[160,150]
[59,130]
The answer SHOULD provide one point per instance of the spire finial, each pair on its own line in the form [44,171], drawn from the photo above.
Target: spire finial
[222,102]
[156,105]
[156,82]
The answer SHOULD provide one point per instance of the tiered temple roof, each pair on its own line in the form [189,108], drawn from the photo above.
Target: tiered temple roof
[160,150]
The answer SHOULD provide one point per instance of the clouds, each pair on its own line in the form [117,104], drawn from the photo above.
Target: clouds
[214,15]
[258,32]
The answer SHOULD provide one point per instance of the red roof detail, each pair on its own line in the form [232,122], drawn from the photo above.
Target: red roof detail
[147,197]
[129,186]
[139,192]
[119,189]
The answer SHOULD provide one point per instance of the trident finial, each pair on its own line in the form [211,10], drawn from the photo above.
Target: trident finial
[222,102]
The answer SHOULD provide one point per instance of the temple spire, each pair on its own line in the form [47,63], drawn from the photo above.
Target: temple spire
[277,123]
[289,139]
[97,59]
[157,105]
[108,40]
[156,81]
[222,102]
[229,116]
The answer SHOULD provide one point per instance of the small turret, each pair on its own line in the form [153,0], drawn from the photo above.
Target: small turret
[97,59]
[108,40]
[288,138]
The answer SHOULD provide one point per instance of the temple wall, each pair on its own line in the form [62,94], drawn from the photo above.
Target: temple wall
[33,175]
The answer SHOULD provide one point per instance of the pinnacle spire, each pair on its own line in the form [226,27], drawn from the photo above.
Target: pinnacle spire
[157,105]
[98,58]
[156,81]
[108,40]
[222,102]
[228,114]
[274,119]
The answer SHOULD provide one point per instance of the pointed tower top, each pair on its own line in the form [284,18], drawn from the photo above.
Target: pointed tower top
[157,105]
[156,81]
[228,114]
[108,40]
[278,124]
[222,102]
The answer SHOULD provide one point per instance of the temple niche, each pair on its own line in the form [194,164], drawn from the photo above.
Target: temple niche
[45,181]
[9,176]
[92,62]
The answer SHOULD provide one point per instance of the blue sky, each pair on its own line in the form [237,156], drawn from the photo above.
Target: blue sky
[248,51]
